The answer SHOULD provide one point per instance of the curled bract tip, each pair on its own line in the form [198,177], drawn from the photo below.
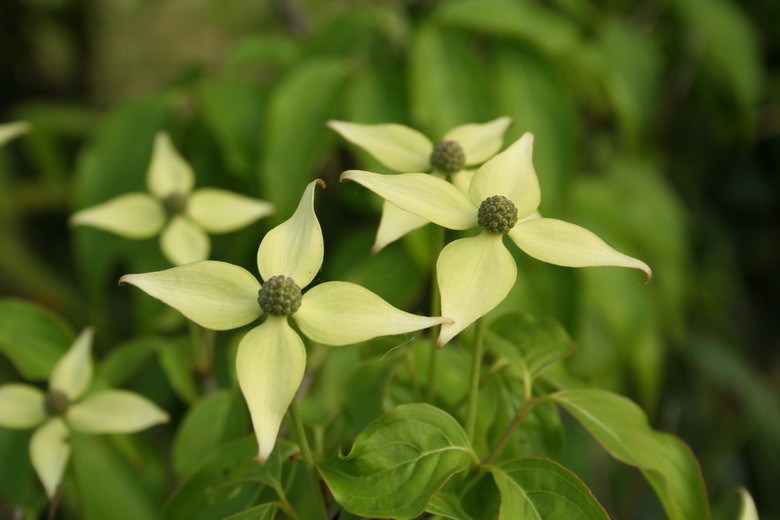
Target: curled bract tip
[320,183]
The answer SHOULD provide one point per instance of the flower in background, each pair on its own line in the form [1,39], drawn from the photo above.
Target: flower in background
[184,216]
[67,406]
[271,357]
[475,274]
[9,131]
[406,150]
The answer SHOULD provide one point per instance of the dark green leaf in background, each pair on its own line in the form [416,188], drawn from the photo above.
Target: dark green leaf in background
[621,427]
[32,338]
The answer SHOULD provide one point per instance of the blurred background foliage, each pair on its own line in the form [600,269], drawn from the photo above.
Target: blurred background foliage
[657,126]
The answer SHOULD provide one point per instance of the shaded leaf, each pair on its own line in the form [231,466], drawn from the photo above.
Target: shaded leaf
[534,488]
[32,338]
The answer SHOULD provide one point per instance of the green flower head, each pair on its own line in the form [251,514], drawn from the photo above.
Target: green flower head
[172,208]
[475,274]
[67,405]
[271,357]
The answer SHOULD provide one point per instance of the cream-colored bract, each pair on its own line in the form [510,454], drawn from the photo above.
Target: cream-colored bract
[9,131]
[271,357]
[183,237]
[107,411]
[475,274]
[406,150]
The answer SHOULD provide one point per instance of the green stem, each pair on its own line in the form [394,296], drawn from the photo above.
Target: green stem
[308,459]
[521,413]
[202,340]
[438,245]
[476,367]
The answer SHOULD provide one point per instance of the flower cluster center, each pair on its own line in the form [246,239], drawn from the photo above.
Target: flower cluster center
[279,296]
[497,214]
[448,156]
[174,204]
[56,402]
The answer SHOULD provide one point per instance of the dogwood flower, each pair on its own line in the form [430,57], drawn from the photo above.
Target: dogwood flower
[65,406]
[404,149]
[9,131]
[475,274]
[271,357]
[183,215]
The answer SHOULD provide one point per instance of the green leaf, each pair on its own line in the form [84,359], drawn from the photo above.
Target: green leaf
[296,132]
[261,512]
[531,345]
[447,82]
[209,423]
[110,487]
[447,505]
[525,21]
[398,462]
[125,360]
[32,338]
[622,429]
[177,363]
[226,483]
[234,111]
[535,488]
[530,89]
[728,39]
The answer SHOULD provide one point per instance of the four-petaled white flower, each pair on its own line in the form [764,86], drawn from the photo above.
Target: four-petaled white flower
[183,215]
[271,357]
[475,274]
[405,150]
[66,406]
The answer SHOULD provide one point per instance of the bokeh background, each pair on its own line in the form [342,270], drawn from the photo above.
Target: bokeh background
[657,126]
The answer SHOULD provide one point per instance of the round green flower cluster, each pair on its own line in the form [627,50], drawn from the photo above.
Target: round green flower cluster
[497,214]
[279,296]
[448,156]
[174,204]
[56,402]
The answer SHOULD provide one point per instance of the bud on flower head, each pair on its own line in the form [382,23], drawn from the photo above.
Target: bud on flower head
[448,156]
[279,296]
[497,214]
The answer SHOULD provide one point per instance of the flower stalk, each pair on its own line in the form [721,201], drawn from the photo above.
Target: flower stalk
[476,368]
[308,458]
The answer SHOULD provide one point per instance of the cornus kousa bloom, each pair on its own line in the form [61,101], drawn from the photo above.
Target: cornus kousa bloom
[66,405]
[271,357]
[184,216]
[475,274]
[403,149]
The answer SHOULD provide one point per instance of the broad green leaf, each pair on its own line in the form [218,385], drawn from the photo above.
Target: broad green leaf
[209,423]
[125,360]
[622,429]
[32,338]
[535,488]
[177,363]
[447,82]
[20,486]
[398,462]
[447,505]
[365,391]
[525,21]
[295,131]
[117,490]
[531,90]
[532,345]
[729,45]
[234,111]
[261,512]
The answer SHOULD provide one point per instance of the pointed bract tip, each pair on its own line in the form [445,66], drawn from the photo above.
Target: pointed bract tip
[320,183]
[333,123]
[125,280]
